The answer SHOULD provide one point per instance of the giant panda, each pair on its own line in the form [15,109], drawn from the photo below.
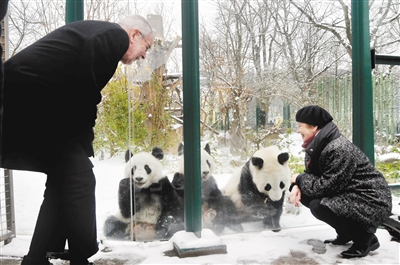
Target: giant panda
[258,188]
[207,166]
[150,207]
[218,210]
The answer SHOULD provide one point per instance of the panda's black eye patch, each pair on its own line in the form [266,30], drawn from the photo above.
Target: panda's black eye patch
[282,185]
[208,163]
[267,187]
[148,169]
[133,170]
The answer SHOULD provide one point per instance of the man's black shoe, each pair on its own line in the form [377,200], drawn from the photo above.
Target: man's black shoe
[34,261]
[59,255]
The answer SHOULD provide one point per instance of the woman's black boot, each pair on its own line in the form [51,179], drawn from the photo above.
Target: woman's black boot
[362,247]
[339,240]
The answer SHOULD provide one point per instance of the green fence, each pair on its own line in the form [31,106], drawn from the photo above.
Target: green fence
[335,94]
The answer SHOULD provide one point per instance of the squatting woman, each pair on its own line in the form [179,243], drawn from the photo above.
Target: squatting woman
[339,184]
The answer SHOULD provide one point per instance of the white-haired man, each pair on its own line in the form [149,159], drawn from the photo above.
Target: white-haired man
[51,92]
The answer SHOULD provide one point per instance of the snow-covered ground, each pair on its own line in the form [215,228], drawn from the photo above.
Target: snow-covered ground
[292,245]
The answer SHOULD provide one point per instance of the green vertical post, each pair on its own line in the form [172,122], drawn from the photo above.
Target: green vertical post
[386,108]
[342,99]
[257,117]
[391,110]
[73,11]
[286,116]
[191,115]
[381,103]
[333,101]
[363,130]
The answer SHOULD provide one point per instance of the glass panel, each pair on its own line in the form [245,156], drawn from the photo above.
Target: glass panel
[249,96]
[257,68]
[260,61]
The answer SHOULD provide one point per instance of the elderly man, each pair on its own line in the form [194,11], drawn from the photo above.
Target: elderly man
[51,92]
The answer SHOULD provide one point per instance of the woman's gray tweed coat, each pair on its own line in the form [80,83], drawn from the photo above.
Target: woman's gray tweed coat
[341,175]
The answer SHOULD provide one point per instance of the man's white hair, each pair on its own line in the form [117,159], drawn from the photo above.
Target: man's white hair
[136,22]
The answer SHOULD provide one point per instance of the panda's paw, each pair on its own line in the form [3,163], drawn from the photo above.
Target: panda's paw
[218,228]
[236,227]
[275,227]
[114,228]
[178,182]
[260,211]
[167,233]
[208,216]
[143,231]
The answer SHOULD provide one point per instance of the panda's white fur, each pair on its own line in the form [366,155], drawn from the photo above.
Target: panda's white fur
[272,173]
[231,189]
[258,188]
[207,162]
[145,169]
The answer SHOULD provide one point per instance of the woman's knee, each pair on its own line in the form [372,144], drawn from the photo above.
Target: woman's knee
[316,208]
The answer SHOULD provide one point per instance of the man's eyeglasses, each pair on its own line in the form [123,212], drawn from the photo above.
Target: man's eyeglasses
[148,44]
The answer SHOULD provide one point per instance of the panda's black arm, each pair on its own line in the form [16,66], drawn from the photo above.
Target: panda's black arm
[165,188]
[124,197]
[250,199]
[171,201]
[247,189]
[214,198]
[178,182]
[250,194]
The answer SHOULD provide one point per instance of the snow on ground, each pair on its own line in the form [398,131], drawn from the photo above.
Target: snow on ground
[292,245]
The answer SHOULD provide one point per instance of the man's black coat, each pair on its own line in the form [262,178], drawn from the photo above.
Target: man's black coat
[52,89]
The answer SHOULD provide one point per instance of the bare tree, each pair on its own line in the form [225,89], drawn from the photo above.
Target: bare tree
[229,60]
[31,20]
[25,25]
[106,10]
[337,20]
[308,51]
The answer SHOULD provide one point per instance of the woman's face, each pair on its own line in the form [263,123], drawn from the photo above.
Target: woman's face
[306,131]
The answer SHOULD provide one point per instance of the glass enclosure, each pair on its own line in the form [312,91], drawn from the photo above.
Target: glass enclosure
[260,61]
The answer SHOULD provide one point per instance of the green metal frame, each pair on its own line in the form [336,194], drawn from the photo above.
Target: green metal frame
[191,115]
[363,135]
[389,59]
[363,127]
[73,10]
[191,110]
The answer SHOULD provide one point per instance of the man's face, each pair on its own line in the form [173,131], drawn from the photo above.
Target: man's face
[138,46]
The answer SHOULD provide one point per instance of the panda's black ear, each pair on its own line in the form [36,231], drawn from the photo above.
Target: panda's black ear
[180,149]
[283,157]
[257,162]
[158,153]
[207,148]
[128,155]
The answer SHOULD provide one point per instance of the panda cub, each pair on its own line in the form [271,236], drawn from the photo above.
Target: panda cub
[218,210]
[150,207]
[258,187]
